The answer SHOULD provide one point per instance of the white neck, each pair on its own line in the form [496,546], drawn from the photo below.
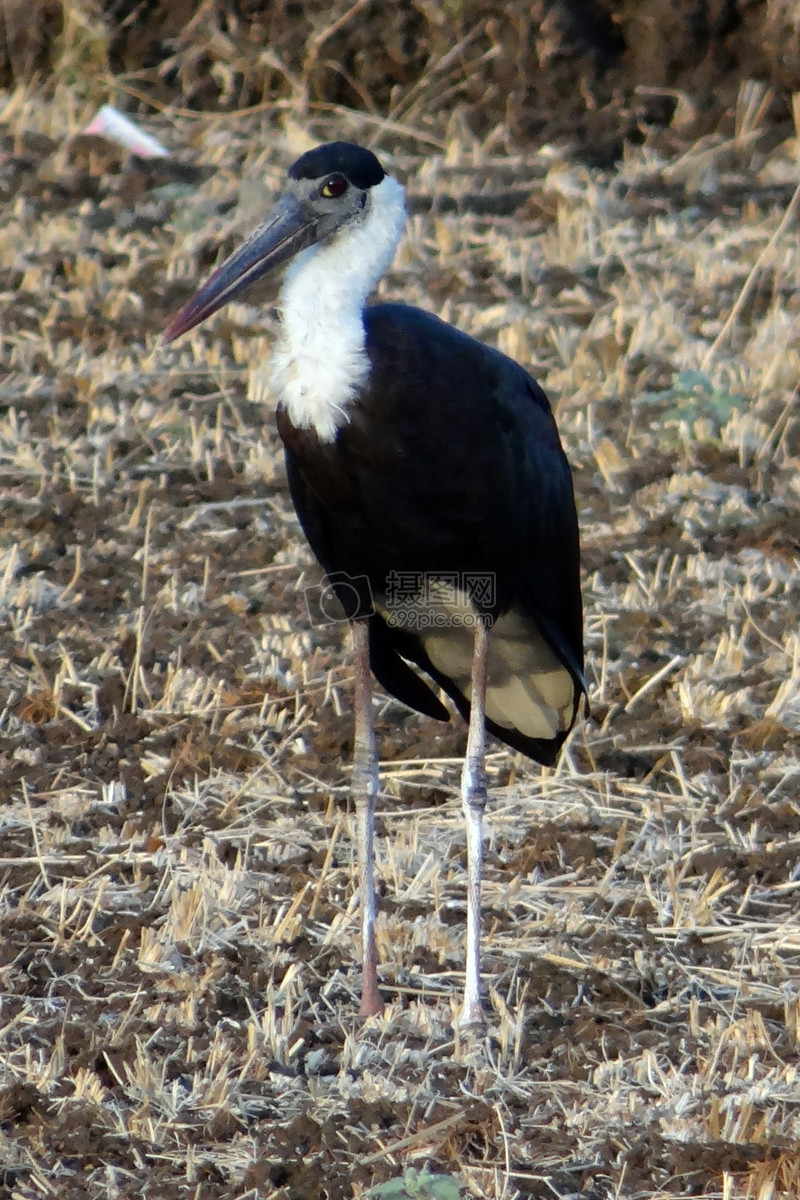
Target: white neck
[320,360]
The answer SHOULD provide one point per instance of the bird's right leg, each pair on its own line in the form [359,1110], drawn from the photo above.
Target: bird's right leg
[365,790]
[473,798]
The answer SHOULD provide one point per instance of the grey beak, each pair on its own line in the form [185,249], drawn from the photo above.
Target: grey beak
[288,229]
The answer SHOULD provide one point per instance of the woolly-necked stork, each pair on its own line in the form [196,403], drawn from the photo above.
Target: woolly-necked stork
[428,475]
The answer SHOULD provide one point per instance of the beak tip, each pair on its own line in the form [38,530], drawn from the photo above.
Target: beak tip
[176,328]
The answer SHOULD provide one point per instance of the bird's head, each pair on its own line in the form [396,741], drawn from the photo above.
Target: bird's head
[329,189]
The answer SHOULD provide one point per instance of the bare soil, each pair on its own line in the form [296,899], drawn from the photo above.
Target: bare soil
[179,936]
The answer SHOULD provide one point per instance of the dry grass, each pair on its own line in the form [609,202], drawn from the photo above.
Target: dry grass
[179,937]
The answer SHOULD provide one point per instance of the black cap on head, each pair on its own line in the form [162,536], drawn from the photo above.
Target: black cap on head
[359,166]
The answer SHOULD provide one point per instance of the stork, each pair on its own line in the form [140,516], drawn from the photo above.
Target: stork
[428,475]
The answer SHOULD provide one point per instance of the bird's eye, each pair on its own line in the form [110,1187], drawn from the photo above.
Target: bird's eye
[333,187]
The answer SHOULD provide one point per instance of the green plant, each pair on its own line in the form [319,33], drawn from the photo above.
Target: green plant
[418,1185]
[693,395]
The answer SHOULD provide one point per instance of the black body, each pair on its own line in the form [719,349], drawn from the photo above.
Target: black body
[450,461]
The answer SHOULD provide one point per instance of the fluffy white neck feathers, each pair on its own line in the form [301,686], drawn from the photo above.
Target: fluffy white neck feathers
[320,360]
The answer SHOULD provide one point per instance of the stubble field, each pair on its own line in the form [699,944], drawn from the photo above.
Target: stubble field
[179,937]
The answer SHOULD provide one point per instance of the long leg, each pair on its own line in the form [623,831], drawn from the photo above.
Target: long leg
[473,798]
[365,789]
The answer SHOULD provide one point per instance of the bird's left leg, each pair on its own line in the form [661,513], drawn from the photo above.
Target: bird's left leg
[365,790]
[473,798]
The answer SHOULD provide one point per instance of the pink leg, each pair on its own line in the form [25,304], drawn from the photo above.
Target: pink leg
[365,789]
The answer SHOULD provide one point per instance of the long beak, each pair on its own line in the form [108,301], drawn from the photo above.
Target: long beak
[288,229]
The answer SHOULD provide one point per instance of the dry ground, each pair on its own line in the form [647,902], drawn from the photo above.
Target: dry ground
[178,929]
